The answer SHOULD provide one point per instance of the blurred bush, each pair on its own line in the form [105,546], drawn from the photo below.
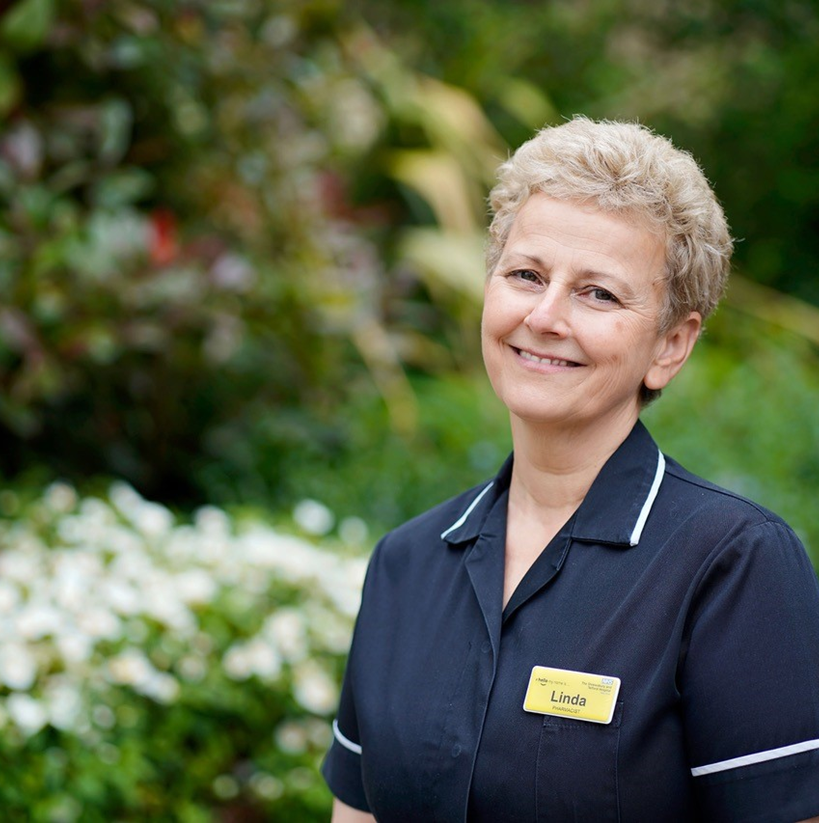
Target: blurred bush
[167,242]
[732,81]
[154,668]
[181,254]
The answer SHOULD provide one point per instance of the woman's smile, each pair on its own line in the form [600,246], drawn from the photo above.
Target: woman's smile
[545,359]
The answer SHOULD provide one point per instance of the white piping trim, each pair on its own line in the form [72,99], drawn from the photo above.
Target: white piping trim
[346,742]
[758,757]
[652,494]
[462,519]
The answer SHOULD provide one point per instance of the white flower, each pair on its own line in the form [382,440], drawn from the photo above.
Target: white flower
[73,646]
[313,688]
[63,704]
[287,630]
[291,737]
[124,497]
[266,786]
[236,663]
[162,603]
[18,667]
[313,517]
[73,575]
[160,686]
[195,587]
[353,531]
[95,514]
[136,631]
[293,558]
[332,633]
[37,620]
[346,600]
[21,567]
[242,660]
[232,272]
[153,520]
[9,597]
[119,540]
[99,624]
[192,668]
[264,660]
[135,567]
[319,732]
[26,713]
[70,530]
[60,497]
[130,668]
[342,586]
[121,596]
[212,521]
[356,571]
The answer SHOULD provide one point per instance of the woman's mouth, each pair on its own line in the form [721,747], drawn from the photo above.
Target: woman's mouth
[546,361]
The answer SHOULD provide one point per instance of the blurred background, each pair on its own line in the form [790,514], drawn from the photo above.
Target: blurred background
[240,277]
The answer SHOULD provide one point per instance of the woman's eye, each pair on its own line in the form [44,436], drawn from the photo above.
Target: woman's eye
[526,275]
[603,296]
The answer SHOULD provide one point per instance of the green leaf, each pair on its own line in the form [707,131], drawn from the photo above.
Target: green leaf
[122,188]
[116,122]
[9,85]
[27,24]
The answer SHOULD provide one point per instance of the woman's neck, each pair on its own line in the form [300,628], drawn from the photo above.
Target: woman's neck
[556,465]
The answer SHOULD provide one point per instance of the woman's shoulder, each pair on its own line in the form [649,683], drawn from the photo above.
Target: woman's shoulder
[448,525]
[708,502]
[408,560]
[433,529]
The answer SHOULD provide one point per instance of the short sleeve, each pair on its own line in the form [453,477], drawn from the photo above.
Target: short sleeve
[342,765]
[749,680]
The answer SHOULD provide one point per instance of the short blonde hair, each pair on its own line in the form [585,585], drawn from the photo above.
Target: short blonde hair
[625,167]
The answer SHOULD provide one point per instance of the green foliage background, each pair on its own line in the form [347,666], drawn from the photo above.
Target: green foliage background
[241,240]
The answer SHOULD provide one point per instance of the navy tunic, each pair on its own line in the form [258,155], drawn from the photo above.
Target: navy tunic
[704,605]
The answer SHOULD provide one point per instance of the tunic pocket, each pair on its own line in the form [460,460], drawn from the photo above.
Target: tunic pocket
[577,770]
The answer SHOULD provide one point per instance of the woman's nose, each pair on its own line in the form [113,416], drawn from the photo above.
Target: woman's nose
[550,315]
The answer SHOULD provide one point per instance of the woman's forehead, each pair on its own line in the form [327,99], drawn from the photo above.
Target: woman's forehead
[546,229]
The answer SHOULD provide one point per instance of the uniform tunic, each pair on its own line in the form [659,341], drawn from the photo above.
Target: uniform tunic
[704,604]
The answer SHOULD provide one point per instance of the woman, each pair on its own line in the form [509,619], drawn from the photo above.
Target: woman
[596,634]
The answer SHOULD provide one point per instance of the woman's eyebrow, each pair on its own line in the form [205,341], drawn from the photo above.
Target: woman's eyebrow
[512,257]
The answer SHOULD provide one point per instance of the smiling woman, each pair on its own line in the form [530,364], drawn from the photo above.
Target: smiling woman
[595,633]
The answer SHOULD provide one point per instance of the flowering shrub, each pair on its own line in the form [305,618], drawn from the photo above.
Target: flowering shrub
[152,667]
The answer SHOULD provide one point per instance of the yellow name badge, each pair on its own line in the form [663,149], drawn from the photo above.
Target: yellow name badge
[578,695]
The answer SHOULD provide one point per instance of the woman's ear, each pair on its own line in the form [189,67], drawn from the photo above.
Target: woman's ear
[673,349]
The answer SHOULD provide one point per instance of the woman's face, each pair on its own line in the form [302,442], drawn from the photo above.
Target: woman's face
[571,316]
